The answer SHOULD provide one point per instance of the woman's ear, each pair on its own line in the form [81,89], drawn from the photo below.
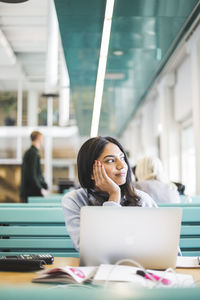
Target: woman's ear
[92,177]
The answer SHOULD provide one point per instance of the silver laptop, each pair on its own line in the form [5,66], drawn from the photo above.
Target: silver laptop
[149,236]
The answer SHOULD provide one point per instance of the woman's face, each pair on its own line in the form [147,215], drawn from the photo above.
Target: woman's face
[114,163]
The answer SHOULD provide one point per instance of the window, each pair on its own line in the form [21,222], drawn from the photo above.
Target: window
[188,160]
[8,104]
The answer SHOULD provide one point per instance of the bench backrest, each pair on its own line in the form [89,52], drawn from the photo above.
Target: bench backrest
[51,199]
[190,227]
[34,230]
[42,229]
[190,199]
[190,231]
[28,205]
[181,204]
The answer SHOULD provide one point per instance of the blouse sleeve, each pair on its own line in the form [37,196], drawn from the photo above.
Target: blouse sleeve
[71,212]
[111,203]
[146,200]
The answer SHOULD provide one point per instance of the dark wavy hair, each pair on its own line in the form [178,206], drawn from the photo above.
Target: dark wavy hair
[88,153]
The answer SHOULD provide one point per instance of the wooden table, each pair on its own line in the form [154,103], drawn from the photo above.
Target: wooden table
[18,286]
[25,278]
[194,272]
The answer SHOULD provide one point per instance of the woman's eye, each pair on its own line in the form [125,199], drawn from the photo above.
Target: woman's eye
[110,160]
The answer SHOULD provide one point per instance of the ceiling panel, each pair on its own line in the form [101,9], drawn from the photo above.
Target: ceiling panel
[29,9]
[25,28]
[81,24]
[143,30]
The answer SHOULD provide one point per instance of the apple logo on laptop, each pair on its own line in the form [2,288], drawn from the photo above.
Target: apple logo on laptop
[130,240]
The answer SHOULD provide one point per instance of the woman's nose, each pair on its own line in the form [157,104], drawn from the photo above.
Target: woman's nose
[120,164]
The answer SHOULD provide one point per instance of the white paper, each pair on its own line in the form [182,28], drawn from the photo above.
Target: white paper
[187,262]
[122,273]
[115,273]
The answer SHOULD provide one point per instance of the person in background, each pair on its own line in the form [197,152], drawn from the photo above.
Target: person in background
[180,188]
[133,170]
[106,180]
[32,180]
[153,180]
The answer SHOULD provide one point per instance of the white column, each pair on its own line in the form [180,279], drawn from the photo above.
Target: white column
[52,51]
[50,111]
[71,172]
[64,93]
[174,159]
[19,119]
[51,84]
[19,103]
[193,46]
[169,131]
[48,160]
[32,107]
[19,148]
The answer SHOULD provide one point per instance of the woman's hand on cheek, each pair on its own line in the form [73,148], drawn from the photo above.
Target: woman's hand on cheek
[105,183]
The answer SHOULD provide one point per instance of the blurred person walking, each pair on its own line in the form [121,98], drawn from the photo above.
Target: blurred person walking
[32,180]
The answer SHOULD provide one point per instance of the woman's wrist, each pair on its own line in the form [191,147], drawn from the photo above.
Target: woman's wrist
[115,196]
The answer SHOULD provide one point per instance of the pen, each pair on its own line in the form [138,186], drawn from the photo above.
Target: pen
[151,275]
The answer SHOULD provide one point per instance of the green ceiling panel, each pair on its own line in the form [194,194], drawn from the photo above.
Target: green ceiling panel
[143,29]
[154,8]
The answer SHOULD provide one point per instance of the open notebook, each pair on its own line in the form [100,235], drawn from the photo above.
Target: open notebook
[114,274]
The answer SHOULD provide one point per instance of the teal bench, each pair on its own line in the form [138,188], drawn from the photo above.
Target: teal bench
[89,292]
[42,229]
[181,204]
[190,227]
[52,198]
[190,199]
[34,230]
[28,205]
[195,198]
[49,199]
[190,231]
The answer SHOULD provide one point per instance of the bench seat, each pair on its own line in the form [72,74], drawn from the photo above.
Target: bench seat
[26,230]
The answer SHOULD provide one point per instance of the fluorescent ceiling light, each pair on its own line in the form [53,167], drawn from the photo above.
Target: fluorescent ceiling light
[160,127]
[9,54]
[158,53]
[102,67]
[118,52]
[151,32]
[114,76]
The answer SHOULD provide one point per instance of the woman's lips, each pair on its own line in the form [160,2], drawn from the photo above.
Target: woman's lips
[122,174]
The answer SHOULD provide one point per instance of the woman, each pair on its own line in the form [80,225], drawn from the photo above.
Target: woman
[151,179]
[105,177]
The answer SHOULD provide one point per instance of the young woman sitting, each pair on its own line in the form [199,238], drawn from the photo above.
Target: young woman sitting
[105,177]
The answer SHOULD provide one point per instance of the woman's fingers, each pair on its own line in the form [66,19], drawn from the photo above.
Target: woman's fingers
[103,172]
[100,177]
[97,173]
[105,183]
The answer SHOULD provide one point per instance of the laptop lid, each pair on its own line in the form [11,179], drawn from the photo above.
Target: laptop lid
[149,236]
